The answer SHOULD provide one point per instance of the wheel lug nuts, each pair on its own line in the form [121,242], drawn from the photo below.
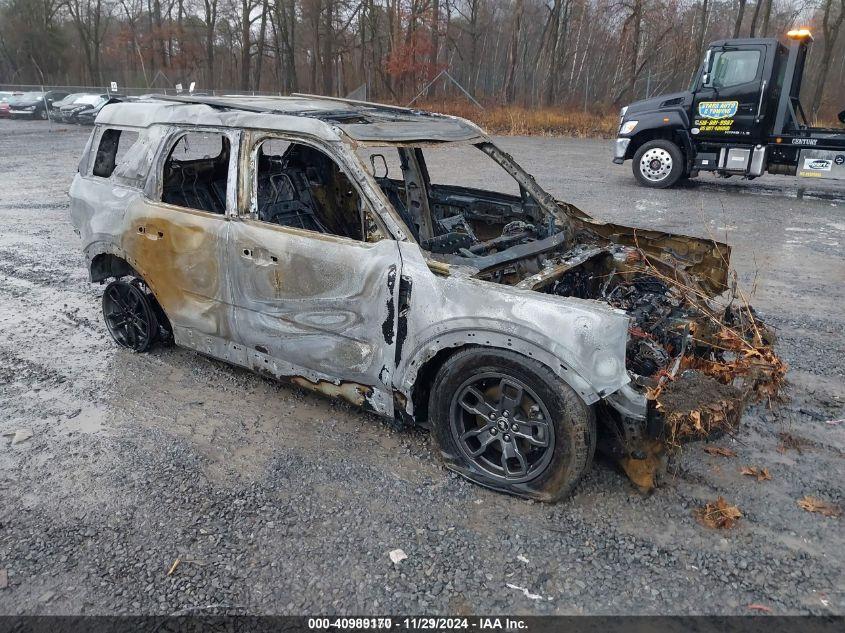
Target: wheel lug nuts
[492,416]
[514,427]
[505,414]
[506,437]
[494,431]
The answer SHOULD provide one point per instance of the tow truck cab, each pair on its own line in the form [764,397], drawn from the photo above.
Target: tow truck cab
[741,116]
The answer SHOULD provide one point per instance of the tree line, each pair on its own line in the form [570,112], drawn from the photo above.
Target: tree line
[590,54]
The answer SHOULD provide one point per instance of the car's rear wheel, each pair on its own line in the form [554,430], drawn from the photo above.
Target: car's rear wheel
[509,423]
[42,114]
[658,164]
[130,315]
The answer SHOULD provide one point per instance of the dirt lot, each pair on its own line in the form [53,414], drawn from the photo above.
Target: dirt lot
[278,501]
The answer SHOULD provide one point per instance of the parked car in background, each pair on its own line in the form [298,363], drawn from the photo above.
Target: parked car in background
[4,110]
[4,103]
[54,111]
[70,113]
[34,105]
[87,116]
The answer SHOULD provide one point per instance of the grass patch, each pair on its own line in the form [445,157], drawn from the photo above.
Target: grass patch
[519,121]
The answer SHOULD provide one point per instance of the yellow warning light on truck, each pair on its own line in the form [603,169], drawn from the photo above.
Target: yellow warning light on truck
[799,34]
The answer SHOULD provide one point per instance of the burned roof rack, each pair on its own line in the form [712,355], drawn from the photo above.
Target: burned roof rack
[226,104]
[366,104]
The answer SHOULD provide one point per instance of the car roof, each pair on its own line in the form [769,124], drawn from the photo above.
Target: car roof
[321,116]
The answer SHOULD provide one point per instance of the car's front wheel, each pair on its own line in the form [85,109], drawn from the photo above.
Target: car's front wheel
[658,164]
[509,423]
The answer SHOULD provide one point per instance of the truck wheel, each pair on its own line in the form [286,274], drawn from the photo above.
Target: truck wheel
[509,423]
[130,315]
[658,164]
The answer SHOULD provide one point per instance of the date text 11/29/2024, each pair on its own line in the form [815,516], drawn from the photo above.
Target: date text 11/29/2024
[419,623]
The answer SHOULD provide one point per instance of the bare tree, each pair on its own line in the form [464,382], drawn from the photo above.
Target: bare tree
[513,51]
[740,13]
[210,22]
[832,17]
[592,54]
[91,19]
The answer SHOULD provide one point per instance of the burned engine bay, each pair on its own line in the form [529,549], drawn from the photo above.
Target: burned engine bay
[696,347]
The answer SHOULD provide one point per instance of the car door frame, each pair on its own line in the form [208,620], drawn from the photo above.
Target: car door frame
[258,245]
[194,291]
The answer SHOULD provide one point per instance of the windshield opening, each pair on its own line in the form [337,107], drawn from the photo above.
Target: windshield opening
[458,200]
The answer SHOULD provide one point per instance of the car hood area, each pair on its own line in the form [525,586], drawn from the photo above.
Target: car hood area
[696,351]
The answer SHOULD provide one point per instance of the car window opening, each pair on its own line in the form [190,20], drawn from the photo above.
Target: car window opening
[300,186]
[196,172]
[112,150]
[457,200]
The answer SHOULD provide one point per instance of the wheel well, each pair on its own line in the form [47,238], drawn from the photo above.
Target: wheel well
[425,378]
[106,265]
[649,135]
[428,371]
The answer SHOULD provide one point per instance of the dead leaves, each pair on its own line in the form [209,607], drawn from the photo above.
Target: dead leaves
[790,441]
[762,474]
[814,504]
[719,450]
[719,514]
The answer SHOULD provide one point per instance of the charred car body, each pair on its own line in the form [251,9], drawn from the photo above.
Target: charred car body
[253,230]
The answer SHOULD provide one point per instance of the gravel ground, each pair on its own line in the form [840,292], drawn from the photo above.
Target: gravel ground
[279,501]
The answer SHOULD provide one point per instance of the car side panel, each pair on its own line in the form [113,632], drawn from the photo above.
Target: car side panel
[316,307]
[181,255]
[580,340]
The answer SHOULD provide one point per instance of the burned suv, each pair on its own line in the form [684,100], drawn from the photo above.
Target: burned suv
[327,242]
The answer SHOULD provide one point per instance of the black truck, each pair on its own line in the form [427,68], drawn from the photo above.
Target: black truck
[741,117]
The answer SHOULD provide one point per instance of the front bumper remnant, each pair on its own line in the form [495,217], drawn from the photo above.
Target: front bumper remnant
[619,150]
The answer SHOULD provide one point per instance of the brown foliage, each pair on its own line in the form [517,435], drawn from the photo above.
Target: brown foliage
[718,450]
[517,120]
[814,504]
[719,514]
[761,474]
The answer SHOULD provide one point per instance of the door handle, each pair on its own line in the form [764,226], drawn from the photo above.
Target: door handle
[760,103]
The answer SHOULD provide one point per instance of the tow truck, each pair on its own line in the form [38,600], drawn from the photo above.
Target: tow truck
[742,116]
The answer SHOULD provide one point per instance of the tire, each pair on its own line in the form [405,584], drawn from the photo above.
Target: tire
[130,315]
[658,164]
[42,114]
[552,429]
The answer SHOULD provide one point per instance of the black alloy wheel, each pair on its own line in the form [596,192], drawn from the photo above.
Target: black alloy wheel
[509,423]
[129,315]
[502,427]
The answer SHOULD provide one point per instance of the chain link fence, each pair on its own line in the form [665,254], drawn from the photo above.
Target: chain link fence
[130,91]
